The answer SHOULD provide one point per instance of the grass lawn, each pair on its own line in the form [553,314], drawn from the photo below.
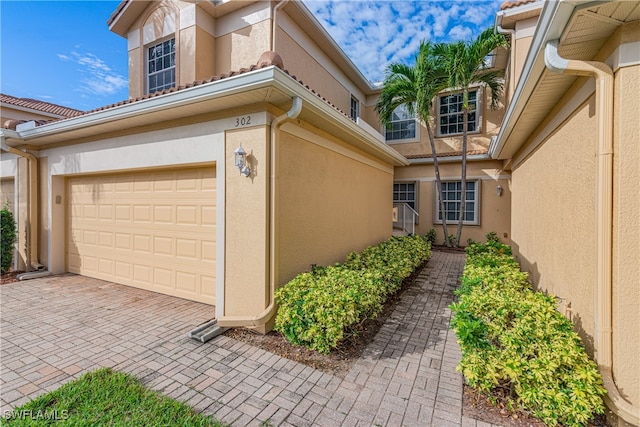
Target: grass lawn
[105,398]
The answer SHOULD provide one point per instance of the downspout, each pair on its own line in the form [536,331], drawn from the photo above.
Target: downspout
[269,312]
[32,204]
[604,211]
[273,23]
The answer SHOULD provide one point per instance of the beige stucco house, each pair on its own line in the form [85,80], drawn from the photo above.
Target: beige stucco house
[147,193]
[571,140]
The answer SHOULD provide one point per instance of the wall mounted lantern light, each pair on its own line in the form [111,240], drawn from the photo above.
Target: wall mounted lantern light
[499,190]
[241,161]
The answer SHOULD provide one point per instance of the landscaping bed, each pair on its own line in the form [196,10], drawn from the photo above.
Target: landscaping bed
[517,349]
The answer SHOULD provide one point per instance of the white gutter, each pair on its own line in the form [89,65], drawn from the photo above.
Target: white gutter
[269,312]
[604,217]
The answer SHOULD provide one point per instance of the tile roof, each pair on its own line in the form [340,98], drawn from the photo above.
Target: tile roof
[448,154]
[510,4]
[45,107]
[267,59]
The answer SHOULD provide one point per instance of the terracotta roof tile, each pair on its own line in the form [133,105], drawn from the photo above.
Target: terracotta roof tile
[448,154]
[510,4]
[45,107]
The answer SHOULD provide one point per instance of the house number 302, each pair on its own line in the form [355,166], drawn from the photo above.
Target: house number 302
[243,121]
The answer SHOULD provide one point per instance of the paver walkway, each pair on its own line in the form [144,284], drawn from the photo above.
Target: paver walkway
[54,329]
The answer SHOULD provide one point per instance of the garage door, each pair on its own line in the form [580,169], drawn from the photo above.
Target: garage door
[7,193]
[152,230]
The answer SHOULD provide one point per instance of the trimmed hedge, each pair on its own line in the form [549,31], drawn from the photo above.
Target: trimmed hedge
[316,308]
[514,339]
[8,238]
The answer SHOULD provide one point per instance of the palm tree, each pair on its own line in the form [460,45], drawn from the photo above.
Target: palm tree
[465,64]
[415,87]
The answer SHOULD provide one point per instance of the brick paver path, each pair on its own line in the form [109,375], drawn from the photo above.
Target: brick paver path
[54,329]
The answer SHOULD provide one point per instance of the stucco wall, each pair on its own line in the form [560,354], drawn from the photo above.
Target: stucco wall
[626,236]
[489,126]
[312,71]
[242,47]
[332,199]
[247,226]
[494,212]
[553,217]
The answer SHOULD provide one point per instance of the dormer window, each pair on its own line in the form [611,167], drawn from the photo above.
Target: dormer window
[161,66]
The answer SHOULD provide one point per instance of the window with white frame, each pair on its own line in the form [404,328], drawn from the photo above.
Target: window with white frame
[402,125]
[451,117]
[355,109]
[405,192]
[452,195]
[161,66]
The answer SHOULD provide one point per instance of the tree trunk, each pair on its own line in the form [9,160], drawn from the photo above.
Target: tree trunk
[436,169]
[463,196]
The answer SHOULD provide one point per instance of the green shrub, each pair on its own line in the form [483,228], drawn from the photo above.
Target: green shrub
[8,238]
[514,338]
[317,308]
[492,237]
[431,236]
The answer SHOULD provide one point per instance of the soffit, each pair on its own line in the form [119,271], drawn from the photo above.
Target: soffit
[584,36]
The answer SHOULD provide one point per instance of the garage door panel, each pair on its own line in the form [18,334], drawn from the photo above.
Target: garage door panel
[152,230]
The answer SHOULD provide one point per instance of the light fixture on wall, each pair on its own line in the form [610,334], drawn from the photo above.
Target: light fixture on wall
[241,161]
[499,190]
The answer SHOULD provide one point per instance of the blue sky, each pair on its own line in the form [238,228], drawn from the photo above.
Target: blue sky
[64,53]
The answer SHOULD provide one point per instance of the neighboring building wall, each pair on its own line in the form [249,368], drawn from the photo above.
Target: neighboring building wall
[8,113]
[553,217]
[332,200]
[626,236]
[558,169]
[494,210]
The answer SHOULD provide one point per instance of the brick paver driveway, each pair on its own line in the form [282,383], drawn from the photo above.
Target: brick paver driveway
[56,328]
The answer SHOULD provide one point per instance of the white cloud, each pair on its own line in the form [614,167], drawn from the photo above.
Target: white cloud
[374,33]
[97,77]
[460,32]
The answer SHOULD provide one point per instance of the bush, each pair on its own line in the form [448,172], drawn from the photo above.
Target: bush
[317,308]
[514,339]
[8,238]
[431,236]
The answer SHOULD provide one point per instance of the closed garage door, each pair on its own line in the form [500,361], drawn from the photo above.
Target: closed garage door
[152,230]
[7,193]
